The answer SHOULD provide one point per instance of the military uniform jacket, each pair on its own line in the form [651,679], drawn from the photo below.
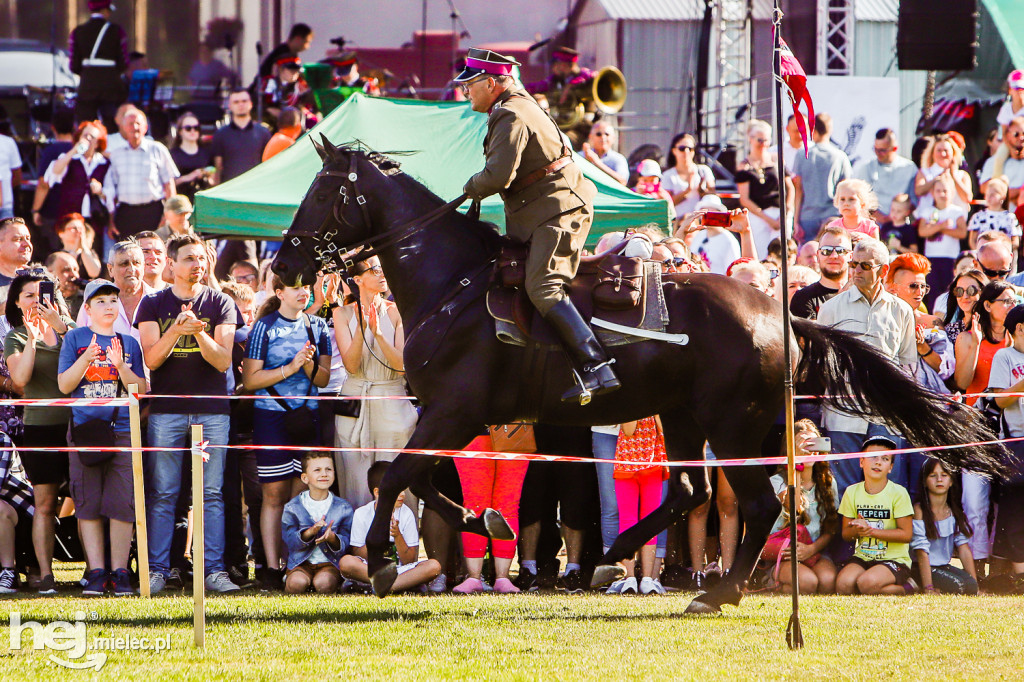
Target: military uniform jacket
[522,138]
[112,52]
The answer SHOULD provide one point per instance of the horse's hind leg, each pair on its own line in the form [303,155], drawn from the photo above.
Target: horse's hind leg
[760,508]
[688,488]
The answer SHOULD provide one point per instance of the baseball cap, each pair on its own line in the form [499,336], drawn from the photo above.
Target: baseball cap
[179,204]
[884,441]
[710,202]
[1016,79]
[648,168]
[99,286]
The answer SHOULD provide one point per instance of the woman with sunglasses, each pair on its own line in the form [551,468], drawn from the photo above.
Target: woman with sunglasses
[371,349]
[191,157]
[963,293]
[757,181]
[687,181]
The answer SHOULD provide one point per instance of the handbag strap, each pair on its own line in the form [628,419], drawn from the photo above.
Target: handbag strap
[316,366]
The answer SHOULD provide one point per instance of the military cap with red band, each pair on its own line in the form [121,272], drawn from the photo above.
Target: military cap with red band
[485,63]
[565,54]
[292,60]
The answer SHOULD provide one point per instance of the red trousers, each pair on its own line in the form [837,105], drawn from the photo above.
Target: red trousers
[490,483]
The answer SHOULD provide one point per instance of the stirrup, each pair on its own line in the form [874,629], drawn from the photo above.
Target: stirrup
[586,395]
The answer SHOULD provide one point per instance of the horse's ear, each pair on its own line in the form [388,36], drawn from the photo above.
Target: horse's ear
[319,149]
[328,147]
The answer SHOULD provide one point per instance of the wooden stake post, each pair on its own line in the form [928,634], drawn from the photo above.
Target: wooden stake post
[198,540]
[141,532]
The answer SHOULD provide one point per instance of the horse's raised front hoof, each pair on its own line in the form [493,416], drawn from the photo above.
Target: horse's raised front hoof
[384,579]
[496,525]
[606,574]
[698,607]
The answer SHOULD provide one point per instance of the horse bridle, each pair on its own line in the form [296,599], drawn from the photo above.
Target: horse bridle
[327,255]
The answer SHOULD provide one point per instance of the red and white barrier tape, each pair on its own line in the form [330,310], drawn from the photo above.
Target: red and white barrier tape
[537,457]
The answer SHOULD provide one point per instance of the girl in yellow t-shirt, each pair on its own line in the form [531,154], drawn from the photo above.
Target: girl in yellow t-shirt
[879,516]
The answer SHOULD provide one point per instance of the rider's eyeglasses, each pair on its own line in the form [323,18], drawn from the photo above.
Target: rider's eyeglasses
[961,292]
[866,266]
[376,269]
[464,87]
[829,250]
[995,273]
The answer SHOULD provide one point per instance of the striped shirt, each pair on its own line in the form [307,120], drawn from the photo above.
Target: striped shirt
[14,487]
[138,176]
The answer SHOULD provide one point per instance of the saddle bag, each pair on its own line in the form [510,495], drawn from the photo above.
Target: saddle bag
[619,284]
[511,265]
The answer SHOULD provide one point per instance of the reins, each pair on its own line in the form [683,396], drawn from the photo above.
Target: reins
[330,257]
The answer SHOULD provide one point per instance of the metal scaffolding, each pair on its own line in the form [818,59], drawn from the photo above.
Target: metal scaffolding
[835,37]
[727,101]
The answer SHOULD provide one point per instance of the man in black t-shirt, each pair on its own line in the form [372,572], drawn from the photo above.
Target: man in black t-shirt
[187,331]
[299,40]
[833,256]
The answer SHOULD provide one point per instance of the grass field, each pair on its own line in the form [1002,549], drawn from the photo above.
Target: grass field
[536,637]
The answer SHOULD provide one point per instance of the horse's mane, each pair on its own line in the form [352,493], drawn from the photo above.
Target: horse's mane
[388,166]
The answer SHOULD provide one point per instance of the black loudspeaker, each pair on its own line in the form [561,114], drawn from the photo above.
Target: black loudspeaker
[937,35]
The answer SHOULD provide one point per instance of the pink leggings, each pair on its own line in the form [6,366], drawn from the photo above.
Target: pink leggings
[490,483]
[637,497]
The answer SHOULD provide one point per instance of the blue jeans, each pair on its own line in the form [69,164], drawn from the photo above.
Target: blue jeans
[848,471]
[604,448]
[163,482]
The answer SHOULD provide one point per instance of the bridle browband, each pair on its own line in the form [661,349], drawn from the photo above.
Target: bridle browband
[327,255]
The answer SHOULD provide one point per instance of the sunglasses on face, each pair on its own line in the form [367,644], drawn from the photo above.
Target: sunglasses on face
[190,129]
[673,262]
[774,274]
[684,148]
[1007,301]
[829,250]
[917,286]
[866,266]
[376,269]
[995,273]
[961,292]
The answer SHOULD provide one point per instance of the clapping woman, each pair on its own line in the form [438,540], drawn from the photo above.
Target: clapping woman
[32,351]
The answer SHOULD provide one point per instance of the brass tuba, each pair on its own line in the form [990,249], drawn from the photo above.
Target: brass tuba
[605,91]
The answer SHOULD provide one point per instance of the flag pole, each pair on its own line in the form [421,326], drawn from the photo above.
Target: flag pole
[794,634]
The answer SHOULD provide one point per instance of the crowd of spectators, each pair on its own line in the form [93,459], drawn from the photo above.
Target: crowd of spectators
[108,284]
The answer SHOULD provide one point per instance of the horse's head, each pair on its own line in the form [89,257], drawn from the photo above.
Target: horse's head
[335,213]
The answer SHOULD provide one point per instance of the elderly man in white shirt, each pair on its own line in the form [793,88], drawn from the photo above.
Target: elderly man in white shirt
[126,266]
[883,321]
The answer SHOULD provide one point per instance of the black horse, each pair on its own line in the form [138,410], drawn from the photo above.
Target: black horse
[724,387]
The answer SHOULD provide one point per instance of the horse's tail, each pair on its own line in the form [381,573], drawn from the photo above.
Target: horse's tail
[859,379]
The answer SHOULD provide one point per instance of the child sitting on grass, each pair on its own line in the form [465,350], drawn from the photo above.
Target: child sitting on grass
[316,525]
[878,516]
[941,530]
[405,540]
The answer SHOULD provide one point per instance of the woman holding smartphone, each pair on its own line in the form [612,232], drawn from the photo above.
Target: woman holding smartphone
[32,351]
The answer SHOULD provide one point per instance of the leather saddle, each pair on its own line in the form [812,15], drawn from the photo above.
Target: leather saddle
[608,285]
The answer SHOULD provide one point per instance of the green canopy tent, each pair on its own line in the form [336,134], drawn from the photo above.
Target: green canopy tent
[447,138]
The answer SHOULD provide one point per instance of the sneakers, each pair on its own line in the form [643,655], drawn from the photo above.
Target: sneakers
[438,585]
[616,587]
[47,585]
[173,580]
[273,580]
[628,586]
[239,575]
[651,586]
[469,586]
[570,582]
[8,581]
[526,581]
[122,580]
[505,586]
[220,582]
[84,580]
[158,581]
[95,583]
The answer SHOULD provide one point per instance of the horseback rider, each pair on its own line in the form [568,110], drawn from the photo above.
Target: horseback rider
[548,203]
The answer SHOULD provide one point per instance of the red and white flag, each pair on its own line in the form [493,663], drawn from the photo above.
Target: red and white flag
[795,79]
